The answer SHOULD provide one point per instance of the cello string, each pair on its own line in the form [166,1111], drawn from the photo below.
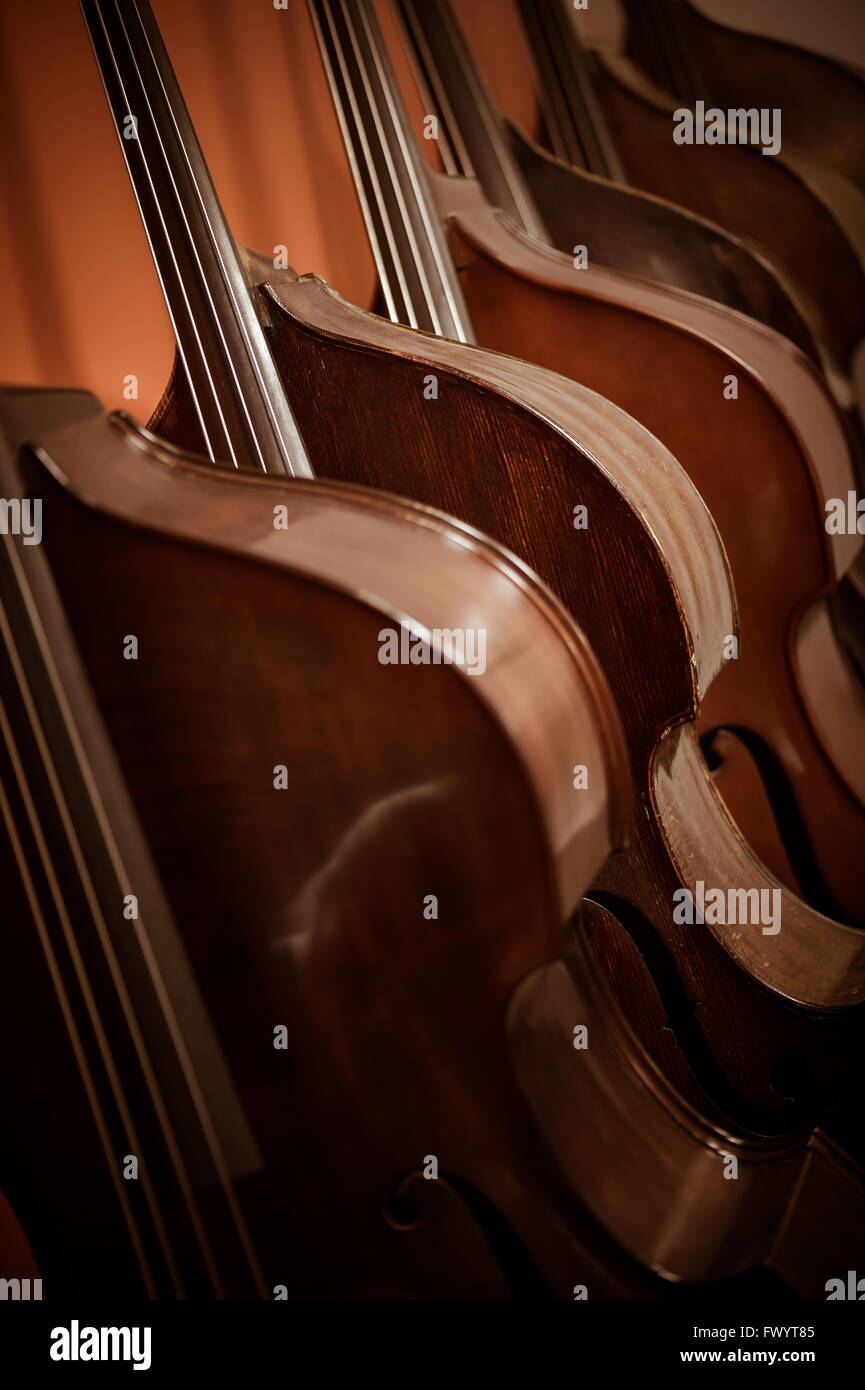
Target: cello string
[547,85]
[415,167]
[79,857]
[267,385]
[64,918]
[454,156]
[255,424]
[393,292]
[180,336]
[488,114]
[375,116]
[74,1035]
[367,129]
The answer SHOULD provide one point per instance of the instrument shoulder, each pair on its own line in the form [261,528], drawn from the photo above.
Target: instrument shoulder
[639,475]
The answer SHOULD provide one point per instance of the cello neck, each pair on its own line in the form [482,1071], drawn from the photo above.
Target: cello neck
[578,129]
[660,44]
[473,141]
[418,277]
[245,418]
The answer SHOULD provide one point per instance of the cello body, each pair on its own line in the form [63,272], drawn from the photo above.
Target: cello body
[204,1128]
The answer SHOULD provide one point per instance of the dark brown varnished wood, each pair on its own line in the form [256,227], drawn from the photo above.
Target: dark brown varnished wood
[258,646]
[550,200]
[637,889]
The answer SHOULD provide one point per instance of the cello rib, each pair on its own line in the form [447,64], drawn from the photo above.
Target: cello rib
[623,1130]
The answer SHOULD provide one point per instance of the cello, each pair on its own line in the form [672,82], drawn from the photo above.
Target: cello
[118,780]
